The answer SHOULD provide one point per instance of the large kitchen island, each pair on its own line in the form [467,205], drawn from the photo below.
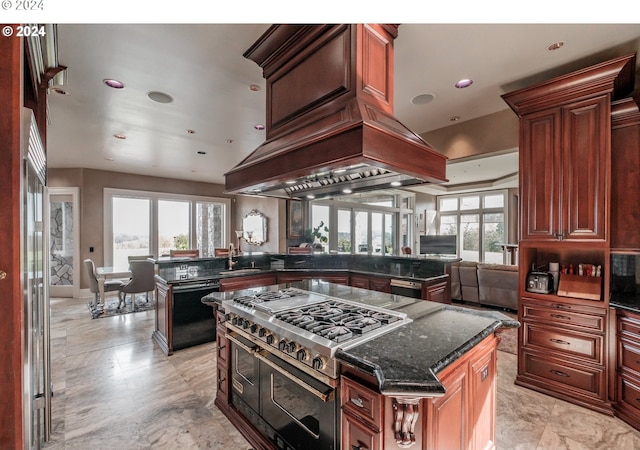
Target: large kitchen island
[317,365]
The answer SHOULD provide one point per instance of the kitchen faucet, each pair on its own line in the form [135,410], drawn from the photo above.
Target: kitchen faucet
[231,261]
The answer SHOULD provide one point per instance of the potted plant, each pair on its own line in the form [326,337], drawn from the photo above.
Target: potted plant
[316,237]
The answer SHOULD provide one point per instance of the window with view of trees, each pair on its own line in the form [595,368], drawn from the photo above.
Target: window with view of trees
[147,223]
[479,222]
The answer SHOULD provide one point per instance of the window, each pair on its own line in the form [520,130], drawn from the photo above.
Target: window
[479,221]
[153,223]
[131,229]
[366,223]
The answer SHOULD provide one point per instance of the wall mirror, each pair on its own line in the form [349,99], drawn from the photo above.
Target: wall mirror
[254,227]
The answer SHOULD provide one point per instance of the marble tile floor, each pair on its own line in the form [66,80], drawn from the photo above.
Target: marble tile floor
[113,389]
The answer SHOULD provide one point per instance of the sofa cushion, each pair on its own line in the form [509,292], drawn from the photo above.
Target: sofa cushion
[498,285]
[468,281]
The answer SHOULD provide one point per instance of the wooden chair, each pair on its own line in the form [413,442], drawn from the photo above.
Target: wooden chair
[300,250]
[190,253]
[221,251]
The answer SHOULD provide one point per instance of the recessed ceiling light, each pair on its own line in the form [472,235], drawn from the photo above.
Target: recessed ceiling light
[119,136]
[191,131]
[258,126]
[159,97]
[396,183]
[465,82]
[110,159]
[254,87]
[555,46]
[454,118]
[423,99]
[229,141]
[202,153]
[60,91]
[115,84]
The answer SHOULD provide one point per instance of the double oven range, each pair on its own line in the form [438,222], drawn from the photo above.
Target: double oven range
[284,373]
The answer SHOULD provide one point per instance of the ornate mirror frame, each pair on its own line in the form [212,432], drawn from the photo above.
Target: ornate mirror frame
[254,227]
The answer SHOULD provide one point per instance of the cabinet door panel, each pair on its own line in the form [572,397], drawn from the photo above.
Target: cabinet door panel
[539,171]
[585,163]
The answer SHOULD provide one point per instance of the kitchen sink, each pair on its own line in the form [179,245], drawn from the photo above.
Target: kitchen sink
[239,271]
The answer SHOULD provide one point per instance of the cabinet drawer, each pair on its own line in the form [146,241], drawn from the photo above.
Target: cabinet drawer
[629,393]
[220,320]
[563,314]
[588,380]
[361,401]
[629,356]
[356,435]
[568,342]
[629,327]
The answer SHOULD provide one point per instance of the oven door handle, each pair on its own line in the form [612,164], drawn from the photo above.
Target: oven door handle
[242,345]
[324,397]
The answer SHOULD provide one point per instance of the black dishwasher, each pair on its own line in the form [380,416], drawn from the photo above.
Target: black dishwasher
[193,322]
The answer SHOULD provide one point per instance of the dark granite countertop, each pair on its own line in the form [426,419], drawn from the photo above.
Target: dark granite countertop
[629,302]
[406,360]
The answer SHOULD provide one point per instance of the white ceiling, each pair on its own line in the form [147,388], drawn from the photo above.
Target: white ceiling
[202,68]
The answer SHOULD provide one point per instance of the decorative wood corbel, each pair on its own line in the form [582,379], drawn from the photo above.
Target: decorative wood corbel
[405,417]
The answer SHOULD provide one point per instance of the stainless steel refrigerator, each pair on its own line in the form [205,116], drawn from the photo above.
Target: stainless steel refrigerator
[37,389]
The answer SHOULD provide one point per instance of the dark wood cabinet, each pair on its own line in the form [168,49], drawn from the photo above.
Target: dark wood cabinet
[246,282]
[464,418]
[625,182]
[564,352]
[564,163]
[331,277]
[627,389]
[380,284]
[223,354]
[566,216]
[437,292]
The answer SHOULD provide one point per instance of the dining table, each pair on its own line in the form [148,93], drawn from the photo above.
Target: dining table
[109,273]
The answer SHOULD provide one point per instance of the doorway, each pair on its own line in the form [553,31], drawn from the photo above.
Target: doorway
[64,243]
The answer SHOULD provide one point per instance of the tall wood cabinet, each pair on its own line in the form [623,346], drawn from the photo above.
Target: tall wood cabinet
[565,206]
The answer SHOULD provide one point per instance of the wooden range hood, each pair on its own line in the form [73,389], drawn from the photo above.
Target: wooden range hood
[330,123]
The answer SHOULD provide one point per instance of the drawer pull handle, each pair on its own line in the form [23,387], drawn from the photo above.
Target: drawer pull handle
[358,402]
[559,316]
[559,306]
[559,373]
[559,341]
[360,446]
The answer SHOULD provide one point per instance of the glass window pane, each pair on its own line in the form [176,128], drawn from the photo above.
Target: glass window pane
[320,221]
[470,202]
[362,232]
[493,237]
[210,231]
[344,231]
[173,226]
[448,224]
[61,241]
[448,204]
[130,229]
[389,235]
[470,227]
[494,201]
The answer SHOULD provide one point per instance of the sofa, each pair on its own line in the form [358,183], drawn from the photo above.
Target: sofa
[485,284]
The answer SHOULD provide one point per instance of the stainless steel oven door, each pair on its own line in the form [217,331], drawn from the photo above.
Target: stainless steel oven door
[245,373]
[301,409]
